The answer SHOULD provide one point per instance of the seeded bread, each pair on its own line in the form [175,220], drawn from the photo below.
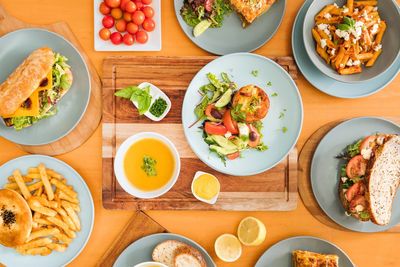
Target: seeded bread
[383,179]
[186,256]
[165,252]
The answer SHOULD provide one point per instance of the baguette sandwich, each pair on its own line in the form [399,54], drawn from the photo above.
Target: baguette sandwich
[370,178]
[32,91]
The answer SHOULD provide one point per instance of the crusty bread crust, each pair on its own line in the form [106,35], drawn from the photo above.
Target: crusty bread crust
[249,11]
[25,80]
[165,252]
[15,233]
[186,253]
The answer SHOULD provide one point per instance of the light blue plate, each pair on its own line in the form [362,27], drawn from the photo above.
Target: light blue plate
[239,67]
[232,37]
[141,250]
[280,254]
[9,256]
[329,85]
[325,170]
[14,48]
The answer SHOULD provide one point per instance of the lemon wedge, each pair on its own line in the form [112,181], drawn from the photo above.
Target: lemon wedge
[228,248]
[201,27]
[251,231]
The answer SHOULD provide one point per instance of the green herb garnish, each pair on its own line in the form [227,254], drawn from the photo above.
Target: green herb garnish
[281,115]
[254,73]
[347,25]
[262,147]
[274,94]
[269,84]
[237,113]
[158,107]
[149,166]
[141,96]
[284,129]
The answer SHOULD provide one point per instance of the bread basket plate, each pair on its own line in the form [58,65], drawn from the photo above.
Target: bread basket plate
[325,169]
[142,249]
[9,257]
[16,46]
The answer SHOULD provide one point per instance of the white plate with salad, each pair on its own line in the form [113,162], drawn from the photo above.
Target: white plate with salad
[242,114]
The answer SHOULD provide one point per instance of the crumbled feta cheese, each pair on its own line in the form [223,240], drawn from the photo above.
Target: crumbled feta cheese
[359,208]
[349,63]
[342,34]
[327,16]
[322,26]
[323,43]
[375,28]
[344,179]
[327,32]
[366,153]
[354,41]
[380,139]
[333,51]
[356,62]
[365,15]
[345,9]
[228,134]
[378,47]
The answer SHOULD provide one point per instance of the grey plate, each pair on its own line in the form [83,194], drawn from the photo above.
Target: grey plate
[280,254]
[388,10]
[15,47]
[325,170]
[141,250]
[327,84]
[231,37]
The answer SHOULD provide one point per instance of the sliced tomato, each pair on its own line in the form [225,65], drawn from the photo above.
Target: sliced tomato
[354,190]
[367,142]
[356,167]
[229,123]
[208,5]
[358,200]
[215,128]
[254,136]
[233,155]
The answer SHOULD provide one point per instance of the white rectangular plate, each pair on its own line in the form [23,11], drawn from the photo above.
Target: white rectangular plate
[153,44]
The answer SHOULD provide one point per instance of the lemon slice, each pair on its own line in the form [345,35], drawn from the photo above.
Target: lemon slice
[225,99]
[228,248]
[201,27]
[251,231]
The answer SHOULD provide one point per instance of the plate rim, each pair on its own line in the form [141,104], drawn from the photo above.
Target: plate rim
[86,71]
[315,85]
[300,105]
[304,237]
[85,187]
[167,234]
[347,121]
[219,54]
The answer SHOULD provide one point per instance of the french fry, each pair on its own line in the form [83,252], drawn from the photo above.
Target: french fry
[63,226]
[43,222]
[72,215]
[371,62]
[36,216]
[11,179]
[39,191]
[49,172]
[33,176]
[35,205]
[64,188]
[64,196]
[21,184]
[53,204]
[67,219]
[73,205]
[12,186]
[46,182]
[35,243]
[43,251]
[57,247]
[63,238]
[35,186]
[43,233]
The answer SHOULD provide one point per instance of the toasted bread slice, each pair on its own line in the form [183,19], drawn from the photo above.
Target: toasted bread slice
[383,179]
[165,252]
[186,256]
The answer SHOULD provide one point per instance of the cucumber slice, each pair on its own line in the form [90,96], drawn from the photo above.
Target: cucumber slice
[225,99]
[201,27]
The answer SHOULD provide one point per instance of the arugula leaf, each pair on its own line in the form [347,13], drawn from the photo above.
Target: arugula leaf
[225,77]
[269,83]
[262,147]
[354,149]
[201,107]
[254,73]
[214,80]
[274,94]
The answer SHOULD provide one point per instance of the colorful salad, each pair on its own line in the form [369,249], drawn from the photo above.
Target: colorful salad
[231,117]
[203,14]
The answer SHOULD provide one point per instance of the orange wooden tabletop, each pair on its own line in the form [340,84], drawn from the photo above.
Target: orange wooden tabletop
[364,249]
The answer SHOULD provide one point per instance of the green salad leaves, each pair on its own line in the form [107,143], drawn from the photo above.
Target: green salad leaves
[141,96]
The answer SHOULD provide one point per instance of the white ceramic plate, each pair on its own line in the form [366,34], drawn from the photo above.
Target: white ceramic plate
[153,44]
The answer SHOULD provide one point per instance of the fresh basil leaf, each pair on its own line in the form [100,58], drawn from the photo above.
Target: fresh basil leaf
[126,92]
[344,27]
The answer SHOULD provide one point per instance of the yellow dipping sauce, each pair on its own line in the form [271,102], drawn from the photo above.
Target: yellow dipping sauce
[206,186]
[134,162]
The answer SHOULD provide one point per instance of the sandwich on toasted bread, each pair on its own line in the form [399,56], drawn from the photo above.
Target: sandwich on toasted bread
[370,178]
[15,219]
[32,91]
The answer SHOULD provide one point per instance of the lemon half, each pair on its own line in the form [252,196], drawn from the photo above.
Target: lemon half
[251,231]
[228,248]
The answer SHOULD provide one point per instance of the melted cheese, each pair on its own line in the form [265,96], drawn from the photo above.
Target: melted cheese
[32,111]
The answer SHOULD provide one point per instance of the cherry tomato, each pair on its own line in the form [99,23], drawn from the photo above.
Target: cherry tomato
[127,17]
[356,167]
[120,25]
[104,9]
[105,34]
[139,5]
[148,11]
[208,5]
[147,2]
[123,3]
[116,13]
[116,38]
[128,39]
[138,17]
[108,22]
[233,155]
[148,25]
[132,28]
[229,123]
[215,128]
[130,7]
[113,3]
[367,142]
[254,136]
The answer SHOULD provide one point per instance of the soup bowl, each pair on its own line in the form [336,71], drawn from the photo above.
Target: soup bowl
[122,175]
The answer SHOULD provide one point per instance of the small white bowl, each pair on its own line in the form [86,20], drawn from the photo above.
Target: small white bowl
[150,264]
[155,93]
[214,199]
[119,166]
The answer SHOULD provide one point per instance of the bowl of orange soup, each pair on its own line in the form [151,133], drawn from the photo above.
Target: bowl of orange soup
[147,165]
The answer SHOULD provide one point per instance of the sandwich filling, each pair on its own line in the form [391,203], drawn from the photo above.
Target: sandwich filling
[42,103]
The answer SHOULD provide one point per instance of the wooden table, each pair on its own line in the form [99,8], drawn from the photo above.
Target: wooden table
[365,249]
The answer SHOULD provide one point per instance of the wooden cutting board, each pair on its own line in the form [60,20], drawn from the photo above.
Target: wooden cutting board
[305,189]
[272,190]
[91,119]
[140,225]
